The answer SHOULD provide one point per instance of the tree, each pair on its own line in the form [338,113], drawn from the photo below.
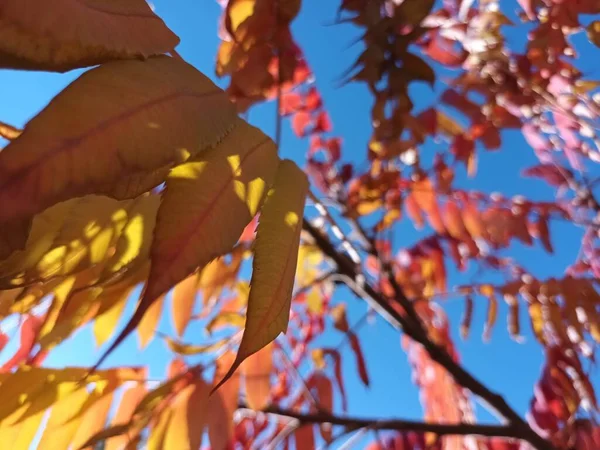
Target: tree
[142,173]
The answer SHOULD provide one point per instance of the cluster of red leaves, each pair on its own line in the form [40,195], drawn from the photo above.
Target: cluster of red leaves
[258,51]
[534,91]
[558,395]
[442,398]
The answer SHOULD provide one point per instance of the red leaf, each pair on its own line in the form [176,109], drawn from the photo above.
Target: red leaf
[360,359]
[322,123]
[29,331]
[300,122]
[552,174]
[337,369]
[290,103]
[305,438]
[313,99]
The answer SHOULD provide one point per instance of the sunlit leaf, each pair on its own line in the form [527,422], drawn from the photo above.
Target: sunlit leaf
[275,259]
[131,108]
[96,32]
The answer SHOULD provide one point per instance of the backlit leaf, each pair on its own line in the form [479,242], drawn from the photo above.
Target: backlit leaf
[111,311]
[120,421]
[97,31]
[190,413]
[58,433]
[256,370]
[207,204]
[222,405]
[184,299]
[93,421]
[275,260]
[147,327]
[138,117]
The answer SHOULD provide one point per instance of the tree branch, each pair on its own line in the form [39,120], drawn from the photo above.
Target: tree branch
[438,354]
[355,423]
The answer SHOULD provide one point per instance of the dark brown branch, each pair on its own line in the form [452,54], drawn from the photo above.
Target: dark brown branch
[355,423]
[347,268]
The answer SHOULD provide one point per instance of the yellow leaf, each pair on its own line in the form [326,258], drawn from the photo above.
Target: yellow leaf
[206,206]
[190,412]
[156,438]
[93,421]
[72,316]
[61,293]
[224,319]
[112,307]
[190,349]
[133,244]
[27,431]
[184,299]
[147,327]
[60,246]
[138,119]
[9,132]
[58,433]
[275,259]
[96,32]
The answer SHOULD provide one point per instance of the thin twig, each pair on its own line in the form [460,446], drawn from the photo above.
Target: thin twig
[355,423]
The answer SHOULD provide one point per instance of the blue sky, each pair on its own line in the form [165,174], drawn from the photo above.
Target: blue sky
[505,365]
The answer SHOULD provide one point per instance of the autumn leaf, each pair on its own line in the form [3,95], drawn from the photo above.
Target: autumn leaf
[256,371]
[93,421]
[147,326]
[117,434]
[9,132]
[275,260]
[96,32]
[593,32]
[184,299]
[222,404]
[131,108]
[190,413]
[228,185]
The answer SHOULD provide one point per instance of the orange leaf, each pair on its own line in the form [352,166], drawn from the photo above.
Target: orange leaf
[131,108]
[190,413]
[93,421]
[453,220]
[492,312]
[130,400]
[147,327]
[222,405]
[275,261]
[472,219]
[95,32]
[184,298]
[424,195]
[207,203]
[414,211]
[257,377]
[338,314]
